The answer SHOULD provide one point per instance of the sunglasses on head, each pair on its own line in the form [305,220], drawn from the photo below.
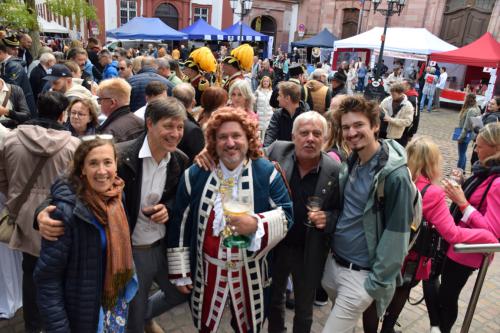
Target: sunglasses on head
[97,136]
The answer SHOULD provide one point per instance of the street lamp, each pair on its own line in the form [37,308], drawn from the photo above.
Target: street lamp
[242,8]
[393,7]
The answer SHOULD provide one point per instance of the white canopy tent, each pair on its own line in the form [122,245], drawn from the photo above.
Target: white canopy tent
[51,27]
[405,40]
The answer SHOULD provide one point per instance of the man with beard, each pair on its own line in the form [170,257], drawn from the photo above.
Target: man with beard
[61,79]
[370,239]
[151,167]
[303,252]
[243,197]
[397,115]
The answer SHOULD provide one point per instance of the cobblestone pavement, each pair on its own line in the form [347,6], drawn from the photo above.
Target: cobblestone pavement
[439,125]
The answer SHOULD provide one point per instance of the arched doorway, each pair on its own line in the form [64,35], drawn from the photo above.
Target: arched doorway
[350,22]
[168,14]
[265,24]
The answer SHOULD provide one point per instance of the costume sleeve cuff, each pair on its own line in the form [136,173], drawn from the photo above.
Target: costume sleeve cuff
[256,238]
[182,281]
[467,212]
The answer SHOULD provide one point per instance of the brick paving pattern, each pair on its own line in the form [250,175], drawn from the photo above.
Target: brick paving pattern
[439,125]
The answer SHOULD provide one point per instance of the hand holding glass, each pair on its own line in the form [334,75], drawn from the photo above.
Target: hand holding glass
[234,207]
[313,205]
[148,207]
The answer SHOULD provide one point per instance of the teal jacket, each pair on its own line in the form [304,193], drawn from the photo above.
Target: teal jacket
[386,226]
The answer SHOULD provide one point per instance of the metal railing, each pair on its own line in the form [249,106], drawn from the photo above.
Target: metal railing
[487,251]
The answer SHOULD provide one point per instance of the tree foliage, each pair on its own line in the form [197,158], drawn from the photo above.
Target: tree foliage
[16,15]
[74,10]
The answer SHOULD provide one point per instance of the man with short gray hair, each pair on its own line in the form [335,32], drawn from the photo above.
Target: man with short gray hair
[319,95]
[47,60]
[302,253]
[164,70]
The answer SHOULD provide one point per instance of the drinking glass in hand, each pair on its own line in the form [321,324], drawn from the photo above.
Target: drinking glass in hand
[457,176]
[313,205]
[148,207]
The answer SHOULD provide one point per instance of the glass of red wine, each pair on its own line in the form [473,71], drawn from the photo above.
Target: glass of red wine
[148,207]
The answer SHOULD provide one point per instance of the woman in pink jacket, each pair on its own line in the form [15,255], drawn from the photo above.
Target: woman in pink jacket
[425,164]
[477,206]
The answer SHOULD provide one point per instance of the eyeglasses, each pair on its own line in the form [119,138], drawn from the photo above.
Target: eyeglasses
[97,136]
[122,68]
[78,115]
[100,99]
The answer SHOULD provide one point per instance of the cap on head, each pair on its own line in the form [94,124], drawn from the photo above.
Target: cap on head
[10,41]
[56,72]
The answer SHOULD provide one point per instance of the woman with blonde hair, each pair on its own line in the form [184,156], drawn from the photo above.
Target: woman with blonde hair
[334,145]
[241,96]
[469,110]
[425,164]
[262,107]
[476,205]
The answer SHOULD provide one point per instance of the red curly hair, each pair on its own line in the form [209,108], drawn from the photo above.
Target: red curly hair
[250,127]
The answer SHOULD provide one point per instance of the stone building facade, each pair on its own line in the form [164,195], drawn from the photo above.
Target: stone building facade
[457,21]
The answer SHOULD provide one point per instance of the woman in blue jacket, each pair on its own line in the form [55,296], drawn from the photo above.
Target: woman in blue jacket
[85,278]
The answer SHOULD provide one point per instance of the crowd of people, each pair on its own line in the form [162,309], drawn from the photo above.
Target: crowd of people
[229,182]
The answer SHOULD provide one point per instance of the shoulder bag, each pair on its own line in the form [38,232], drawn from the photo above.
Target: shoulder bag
[8,219]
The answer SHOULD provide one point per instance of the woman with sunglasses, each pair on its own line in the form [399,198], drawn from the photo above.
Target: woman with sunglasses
[86,277]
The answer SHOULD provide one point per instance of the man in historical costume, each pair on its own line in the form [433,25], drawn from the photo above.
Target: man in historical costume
[198,260]
[240,59]
[200,61]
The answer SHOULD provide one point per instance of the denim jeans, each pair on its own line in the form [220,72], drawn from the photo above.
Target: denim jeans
[462,153]
[360,86]
[430,100]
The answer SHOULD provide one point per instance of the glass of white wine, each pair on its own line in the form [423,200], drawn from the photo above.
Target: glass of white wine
[313,205]
[234,207]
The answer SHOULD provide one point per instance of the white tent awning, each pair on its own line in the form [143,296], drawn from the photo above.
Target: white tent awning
[51,27]
[408,40]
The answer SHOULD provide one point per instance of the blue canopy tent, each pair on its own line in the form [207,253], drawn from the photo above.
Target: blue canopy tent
[148,28]
[201,30]
[323,39]
[248,34]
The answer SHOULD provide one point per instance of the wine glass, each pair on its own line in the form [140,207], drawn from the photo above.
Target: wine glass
[234,207]
[148,208]
[313,205]
[457,175]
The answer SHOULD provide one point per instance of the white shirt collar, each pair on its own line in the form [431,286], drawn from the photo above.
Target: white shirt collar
[231,173]
[4,87]
[145,152]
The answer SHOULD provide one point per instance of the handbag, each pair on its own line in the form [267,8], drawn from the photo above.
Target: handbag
[456,134]
[8,218]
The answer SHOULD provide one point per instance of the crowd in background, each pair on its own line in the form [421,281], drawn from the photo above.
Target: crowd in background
[158,142]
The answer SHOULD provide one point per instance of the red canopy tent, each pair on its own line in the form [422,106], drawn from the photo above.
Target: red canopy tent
[484,52]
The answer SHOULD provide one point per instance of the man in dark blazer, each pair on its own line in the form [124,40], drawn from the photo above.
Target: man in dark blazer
[24,53]
[303,252]
[47,60]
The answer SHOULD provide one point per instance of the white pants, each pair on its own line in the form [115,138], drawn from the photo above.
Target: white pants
[345,288]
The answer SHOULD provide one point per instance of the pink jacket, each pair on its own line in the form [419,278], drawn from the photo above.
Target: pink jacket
[487,218]
[436,211]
